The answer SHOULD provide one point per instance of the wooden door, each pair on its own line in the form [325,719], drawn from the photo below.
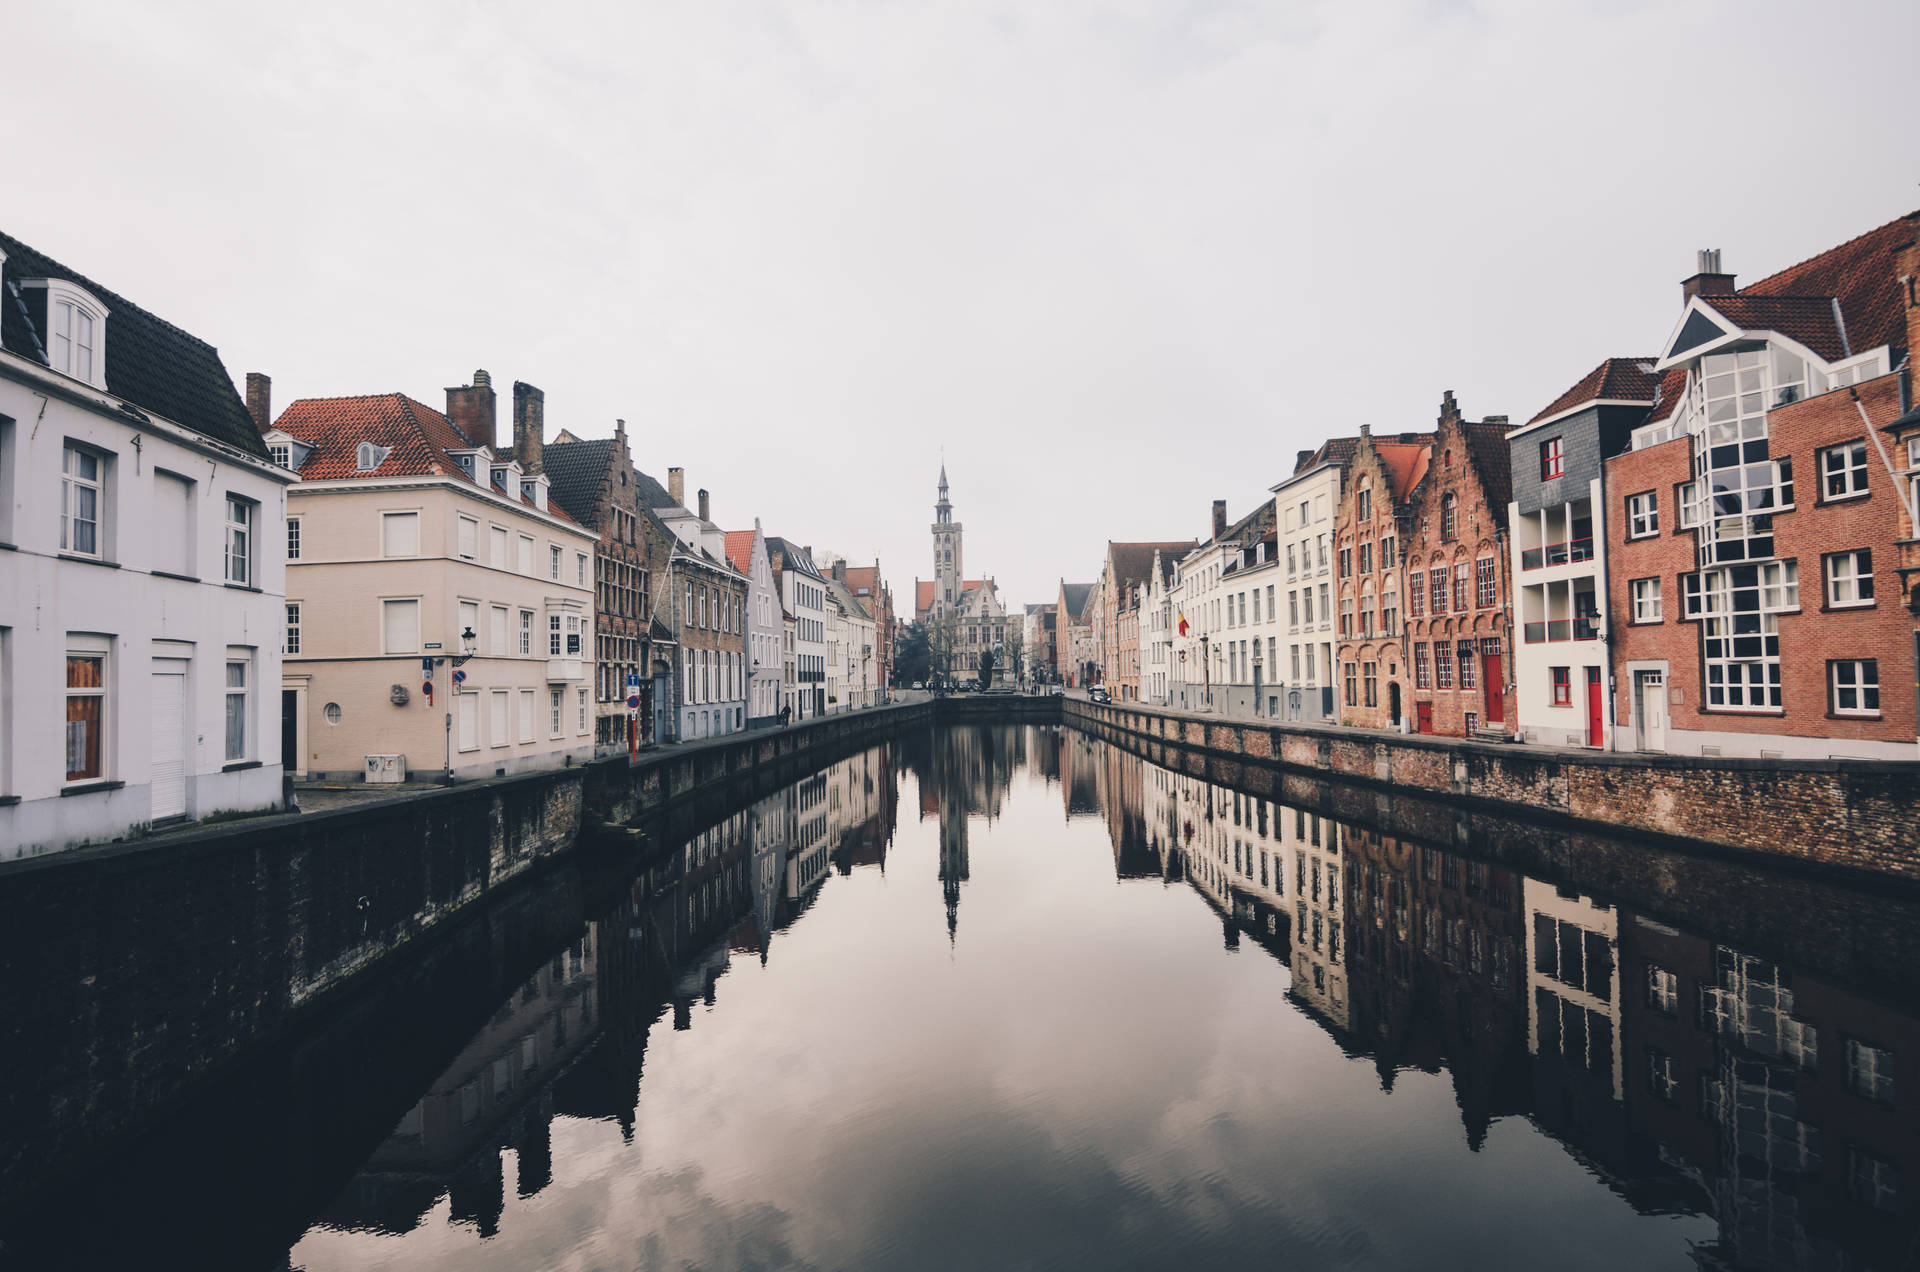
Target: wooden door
[1596,708]
[1496,689]
[1423,713]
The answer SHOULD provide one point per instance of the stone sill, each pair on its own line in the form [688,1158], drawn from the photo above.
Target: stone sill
[88,788]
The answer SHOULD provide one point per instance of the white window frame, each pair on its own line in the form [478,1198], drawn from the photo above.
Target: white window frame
[526,633]
[468,541]
[584,725]
[580,568]
[290,641]
[1645,600]
[499,718]
[1643,514]
[1848,462]
[81,645]
[467,720]
[293,538]
[243,515]
[499,630]
[1866,680]
[523,561]
[73,483]
[1850,579]
[240,750]
[553,562]
[556,704]
[394,529]
[498,547]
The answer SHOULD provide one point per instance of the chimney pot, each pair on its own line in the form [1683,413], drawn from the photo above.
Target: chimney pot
[470,409]
[1707,280]
[704,507]
[529,426]
[260,400]
[1219,518]
[677,485]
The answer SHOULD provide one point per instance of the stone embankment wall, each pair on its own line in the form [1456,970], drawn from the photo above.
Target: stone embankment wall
[1853,816]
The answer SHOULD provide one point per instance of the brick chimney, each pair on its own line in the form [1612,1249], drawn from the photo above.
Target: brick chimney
[677,486]
[529,426]
[840,571]
[260,401]
[705,507]
[1707,279]
[1219,518]
[470,409]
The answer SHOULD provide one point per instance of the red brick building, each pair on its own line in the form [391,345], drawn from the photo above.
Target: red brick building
[1754,525]
[1458,610]
[1376,514]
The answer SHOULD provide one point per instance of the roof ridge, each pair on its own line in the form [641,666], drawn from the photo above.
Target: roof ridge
[1758,282]
[71,275]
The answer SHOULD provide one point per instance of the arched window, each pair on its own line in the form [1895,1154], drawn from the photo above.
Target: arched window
[1450,517]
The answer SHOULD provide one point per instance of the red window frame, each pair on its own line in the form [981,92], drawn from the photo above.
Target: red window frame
[1553,460]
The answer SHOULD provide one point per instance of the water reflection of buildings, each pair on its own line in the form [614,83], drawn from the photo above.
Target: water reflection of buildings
[571,1041]
[964,773]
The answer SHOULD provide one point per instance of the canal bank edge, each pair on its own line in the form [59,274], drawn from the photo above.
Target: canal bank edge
[1855,817]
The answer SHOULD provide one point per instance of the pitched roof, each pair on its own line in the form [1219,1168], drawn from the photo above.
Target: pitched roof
[1673,387]
[1807,319]
[1614,380]
[1076,595]
[740,550]
[416,437]
[1406,463]
[575,471]
[1862,275]
[1336,450]
[923,594]
[149,361]
[1492,459]
[1133,562]
[867,576]
[792,557]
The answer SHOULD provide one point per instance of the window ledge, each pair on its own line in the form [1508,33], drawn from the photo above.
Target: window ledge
[87,560]
[1824,500]
[244,587]
[1844,608]
[1866,716]
[7,547]
[237,765]
[169,574]
[8,801]
[88,788]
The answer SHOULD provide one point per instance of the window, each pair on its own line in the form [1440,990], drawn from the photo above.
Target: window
[580,568]
[1843,471]
[1366,617]
[1422,666]
[237,713]
[1466,667]
[1386,553]
[81,480]
[239,554]
[583,710]
[469,712]
[331,713]
[1389,610]
[524,561]
[171,534]
[1346,563]
[281,453]
[1416,594]
[469,538]
[71,351]
[497,729]
[400,534]
[1850,578]
[1553,462]
[1562,686]
[1352,687]
[1442,665]
[1872,1181]
[1663,990]
[1869,1071]
[526,715]
[1372,677]
[1687,496]
[293,538]
[1662,1075]
[400,626]
[1855,686]
[555,701]
[553,561]
[1439,579]
[526,633]
[367,457]
[1462,582]
[1366,558]
[1643,514]
[497,630]
[1450,518]
[497,547]
[553,639]
[1646,600]
[1739,608]
[1364,504]
[86,710]
[1485,586]
[291,643]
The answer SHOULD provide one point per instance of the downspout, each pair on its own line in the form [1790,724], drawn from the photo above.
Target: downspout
[1903,491]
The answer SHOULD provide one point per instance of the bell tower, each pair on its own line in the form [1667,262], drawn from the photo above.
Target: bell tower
[948,569]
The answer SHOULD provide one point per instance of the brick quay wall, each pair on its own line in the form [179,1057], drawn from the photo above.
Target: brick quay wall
[1846,817]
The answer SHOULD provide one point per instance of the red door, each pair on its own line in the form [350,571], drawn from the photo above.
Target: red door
[1423,714]
[1496,691]
[1595,708]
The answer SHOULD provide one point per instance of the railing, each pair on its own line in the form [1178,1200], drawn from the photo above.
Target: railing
[1586,627]
[1557,553]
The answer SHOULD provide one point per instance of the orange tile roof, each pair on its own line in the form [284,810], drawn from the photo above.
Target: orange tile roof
[923,596]
[740,550]
[1406,463]
[1614,380]
[417,439]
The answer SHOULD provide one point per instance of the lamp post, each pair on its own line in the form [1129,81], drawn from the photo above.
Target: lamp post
[1256,676]
[1206,671]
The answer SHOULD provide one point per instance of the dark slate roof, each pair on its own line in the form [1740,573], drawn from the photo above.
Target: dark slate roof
[1491,457]
[575,472]
[653,494]
[150,362]
[1133,562]
[1076,596]
[792,557]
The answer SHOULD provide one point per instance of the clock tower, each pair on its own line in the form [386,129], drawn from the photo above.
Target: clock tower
[948,570]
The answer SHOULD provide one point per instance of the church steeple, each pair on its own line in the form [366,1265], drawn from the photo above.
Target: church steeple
[948,568]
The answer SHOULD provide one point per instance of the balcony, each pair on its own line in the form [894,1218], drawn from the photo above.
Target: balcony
[565,670]
[1557,553]
[1585,627]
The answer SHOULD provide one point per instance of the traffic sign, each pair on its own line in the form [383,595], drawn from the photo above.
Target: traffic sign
[633,680]
[633,700]
[459,677]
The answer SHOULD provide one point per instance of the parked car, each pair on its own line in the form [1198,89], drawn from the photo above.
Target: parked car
[1099,694]
[919,684]
[1057,691]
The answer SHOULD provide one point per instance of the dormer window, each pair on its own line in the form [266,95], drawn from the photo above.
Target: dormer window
[369,457]
[76,331]
[282,454]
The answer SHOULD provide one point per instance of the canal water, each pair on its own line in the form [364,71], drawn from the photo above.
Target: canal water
[1015,997]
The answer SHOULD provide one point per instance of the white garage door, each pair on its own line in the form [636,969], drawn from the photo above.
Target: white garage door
[169,743]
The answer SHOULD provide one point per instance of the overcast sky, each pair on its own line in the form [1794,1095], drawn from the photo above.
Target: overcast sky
[1119,259]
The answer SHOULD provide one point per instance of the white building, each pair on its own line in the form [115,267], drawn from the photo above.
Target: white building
[1573,981]
[803,591]
[709,599]
[1305,506]
[1212,659]
[142,593]
[1156,634]
[747,550]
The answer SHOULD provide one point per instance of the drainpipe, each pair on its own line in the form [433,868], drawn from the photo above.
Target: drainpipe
[1907,504]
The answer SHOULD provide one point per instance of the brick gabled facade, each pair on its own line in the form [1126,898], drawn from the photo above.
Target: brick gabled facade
[1376,509]
[1459,640]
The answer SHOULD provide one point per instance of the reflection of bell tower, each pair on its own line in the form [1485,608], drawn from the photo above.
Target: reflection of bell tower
[947,565]
[953,855]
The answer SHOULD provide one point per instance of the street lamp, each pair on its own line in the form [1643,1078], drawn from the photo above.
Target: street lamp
[1206,671]
[1256,677]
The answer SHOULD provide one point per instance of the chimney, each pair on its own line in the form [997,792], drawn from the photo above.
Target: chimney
[704,507]
[840,571]
[529,426]
[260,401]
[470,409]
[1219,518]
[677,485]
[1707,279]
[1366,431]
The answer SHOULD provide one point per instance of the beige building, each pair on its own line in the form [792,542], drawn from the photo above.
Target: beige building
[439,608]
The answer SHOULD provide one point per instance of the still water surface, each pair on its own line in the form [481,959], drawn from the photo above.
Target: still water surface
[1015,998]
